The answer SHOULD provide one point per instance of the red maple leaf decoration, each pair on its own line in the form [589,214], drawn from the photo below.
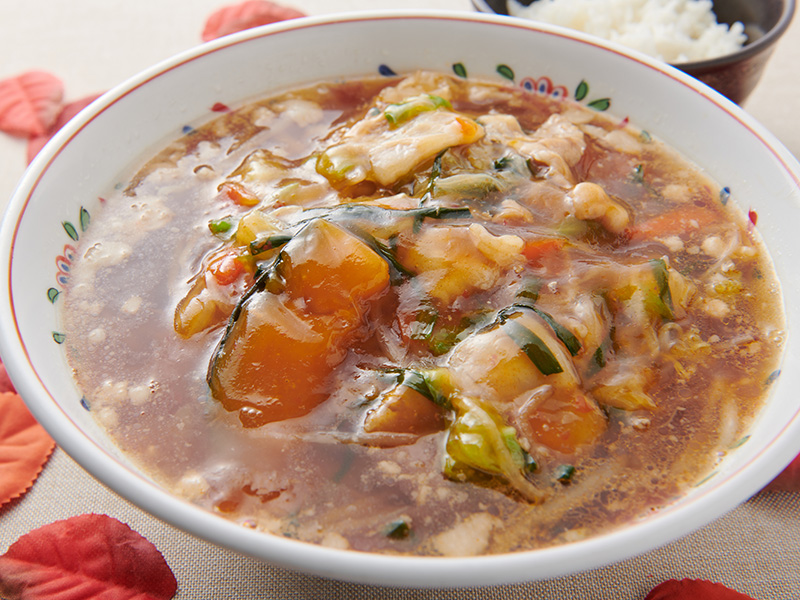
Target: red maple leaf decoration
[788,480]
[24,446]
[30,103]
[85,557]
[251,13]
[37,142]
[693,589]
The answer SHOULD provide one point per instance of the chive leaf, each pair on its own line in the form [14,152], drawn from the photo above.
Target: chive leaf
[398,530]
[664,303]
[218,226]
[564,473]
[533,347]
[564,334]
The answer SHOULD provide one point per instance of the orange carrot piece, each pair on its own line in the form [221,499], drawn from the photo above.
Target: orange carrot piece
[675,222]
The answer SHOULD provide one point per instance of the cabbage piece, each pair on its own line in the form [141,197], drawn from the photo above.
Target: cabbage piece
[480,440]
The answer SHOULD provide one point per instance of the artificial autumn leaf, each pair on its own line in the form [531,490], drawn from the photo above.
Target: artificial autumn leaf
[787,480]
[5,381]
[251,13]
[30,103]
[693,589]
[85,557]
[36,143]
[24,447]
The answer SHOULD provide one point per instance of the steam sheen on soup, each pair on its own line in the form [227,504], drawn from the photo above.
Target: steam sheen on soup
[423,315]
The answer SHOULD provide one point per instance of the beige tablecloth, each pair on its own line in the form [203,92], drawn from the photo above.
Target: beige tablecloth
[95,44]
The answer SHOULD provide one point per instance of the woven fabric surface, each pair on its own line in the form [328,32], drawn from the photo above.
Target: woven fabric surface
[754,549]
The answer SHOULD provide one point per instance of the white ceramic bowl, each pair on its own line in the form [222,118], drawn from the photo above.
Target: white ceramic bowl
[136,117]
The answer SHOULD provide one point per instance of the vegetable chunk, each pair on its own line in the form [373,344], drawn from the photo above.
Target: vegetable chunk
[277,358]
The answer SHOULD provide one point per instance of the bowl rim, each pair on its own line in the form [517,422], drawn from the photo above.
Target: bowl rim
[429,572]
[710,64]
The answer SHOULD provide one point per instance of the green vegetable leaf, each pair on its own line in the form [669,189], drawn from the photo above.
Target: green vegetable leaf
[399,113]
[563,334]
[662,303]
[436,172]
[481,445]
[564,473]
[218,226]
[424,322]
[529,289]
[398,530]
[424,383]
[533,347]
[472,185]
[273,241]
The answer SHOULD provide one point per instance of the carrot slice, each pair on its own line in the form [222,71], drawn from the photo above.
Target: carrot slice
[537,250]
[675,222]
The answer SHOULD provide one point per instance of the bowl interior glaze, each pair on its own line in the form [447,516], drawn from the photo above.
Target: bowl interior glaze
[65,181]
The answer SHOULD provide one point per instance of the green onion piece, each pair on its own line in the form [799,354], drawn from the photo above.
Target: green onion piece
[481,447]
[537,169]
[599,357]
[662,304]
[529,289]
[517,164]
[399,113]
[564,334]
[522,459]
[398,530]
[533,347]
[220,225]
[530,466]
[472,185]
[424,384]
[397,271]
[439,212]
[602,353]
[274,241]
[436,172]
[422,327]
[638,174]
[477,441]
[564,473]
[573,228]
[503,163]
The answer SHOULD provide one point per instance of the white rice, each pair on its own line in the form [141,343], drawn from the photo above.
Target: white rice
[674,31]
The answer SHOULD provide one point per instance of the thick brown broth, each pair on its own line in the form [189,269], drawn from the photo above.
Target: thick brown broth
[574,330]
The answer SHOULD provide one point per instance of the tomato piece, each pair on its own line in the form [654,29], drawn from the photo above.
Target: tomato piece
[566,423]
[238,194]
[679,221]
[227,268]
[535,251]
